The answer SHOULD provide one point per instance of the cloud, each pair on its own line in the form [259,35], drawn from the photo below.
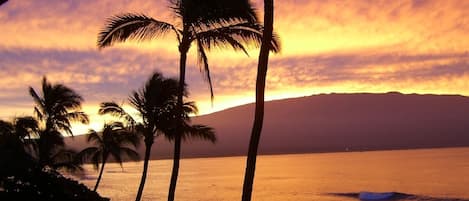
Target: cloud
[328,46]
[316,26]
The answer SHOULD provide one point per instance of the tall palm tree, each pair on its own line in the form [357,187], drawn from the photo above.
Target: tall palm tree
[260,90]
[113,141]
[208,24]
[56,108]
[153,103]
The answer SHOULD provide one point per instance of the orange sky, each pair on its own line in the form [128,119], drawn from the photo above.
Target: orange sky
[418,46]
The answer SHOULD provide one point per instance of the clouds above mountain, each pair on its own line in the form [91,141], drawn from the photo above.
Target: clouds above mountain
[328,46]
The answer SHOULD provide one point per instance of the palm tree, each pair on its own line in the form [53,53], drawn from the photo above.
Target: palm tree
[55,109]
[17,135]
[113,141]
[15,145]
[156,105]
[153,103]
[260,90]
[208,24]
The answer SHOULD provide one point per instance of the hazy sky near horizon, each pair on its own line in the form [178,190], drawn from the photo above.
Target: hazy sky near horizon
[418,46]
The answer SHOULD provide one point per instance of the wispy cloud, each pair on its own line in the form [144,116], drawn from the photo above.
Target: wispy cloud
[328,46]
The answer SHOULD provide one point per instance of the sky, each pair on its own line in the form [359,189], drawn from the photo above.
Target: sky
[328,46]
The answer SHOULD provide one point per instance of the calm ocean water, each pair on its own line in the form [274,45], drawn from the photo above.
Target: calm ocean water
[429,174]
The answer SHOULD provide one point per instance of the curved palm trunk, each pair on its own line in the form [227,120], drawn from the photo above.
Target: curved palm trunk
[175,172]
[100,173]
[177,140]
[145,169]
[260,90]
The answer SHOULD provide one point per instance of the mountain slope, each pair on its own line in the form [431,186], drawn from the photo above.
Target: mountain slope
[337,122]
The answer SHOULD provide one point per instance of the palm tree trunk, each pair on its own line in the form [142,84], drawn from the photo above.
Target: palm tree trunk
[177,140]
[100,173]
[175,172]
[260,91]
[145,169]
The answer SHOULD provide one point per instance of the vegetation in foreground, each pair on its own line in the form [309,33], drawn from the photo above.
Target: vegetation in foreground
[33,152]
[32,149]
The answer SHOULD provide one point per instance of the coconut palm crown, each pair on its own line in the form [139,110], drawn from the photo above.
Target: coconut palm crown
[55,108]
[114,141]
[207,23]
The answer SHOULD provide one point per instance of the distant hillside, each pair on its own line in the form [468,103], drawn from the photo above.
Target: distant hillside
[336,122]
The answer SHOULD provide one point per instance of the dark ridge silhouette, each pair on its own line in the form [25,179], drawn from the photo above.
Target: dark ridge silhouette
[2,2]
[337,122]
[401,197]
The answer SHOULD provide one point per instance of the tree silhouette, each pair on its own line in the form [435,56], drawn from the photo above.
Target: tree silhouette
[113,141]
[153,103]
[260,91]
[55,109]
[208,24]
[156,104]
[16,143]
[2,2]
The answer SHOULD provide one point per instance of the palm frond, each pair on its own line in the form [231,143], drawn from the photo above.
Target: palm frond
[130,153]
[114,109]
[39,108]
[203,66]
[240,34]
[116,154]
[26,127]
[88,155]
[78,116]
[140,27]
[199,131]
[94,137]
[66,159]
[210,12]
[190,108]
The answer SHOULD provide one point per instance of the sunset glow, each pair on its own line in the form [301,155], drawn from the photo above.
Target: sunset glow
[327,47]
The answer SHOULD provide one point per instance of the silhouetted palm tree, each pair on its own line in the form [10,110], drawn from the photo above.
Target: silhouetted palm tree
[113,141]
[16,144]
[17,135]
[156,105]
[153,103]
[55,109]
[260,90]
[208,24]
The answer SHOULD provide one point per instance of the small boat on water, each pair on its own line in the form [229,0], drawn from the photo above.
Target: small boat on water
[375,195]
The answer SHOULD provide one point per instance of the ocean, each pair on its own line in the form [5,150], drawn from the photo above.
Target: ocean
[424,174]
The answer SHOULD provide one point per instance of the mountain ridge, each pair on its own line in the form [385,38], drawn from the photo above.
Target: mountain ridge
[335,122]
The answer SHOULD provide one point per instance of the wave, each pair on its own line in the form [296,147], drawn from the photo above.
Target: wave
[397,196]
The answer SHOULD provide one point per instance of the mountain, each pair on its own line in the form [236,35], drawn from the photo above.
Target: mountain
[334,122]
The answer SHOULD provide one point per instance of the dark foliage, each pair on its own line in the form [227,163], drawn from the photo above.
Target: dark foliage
[22,179]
